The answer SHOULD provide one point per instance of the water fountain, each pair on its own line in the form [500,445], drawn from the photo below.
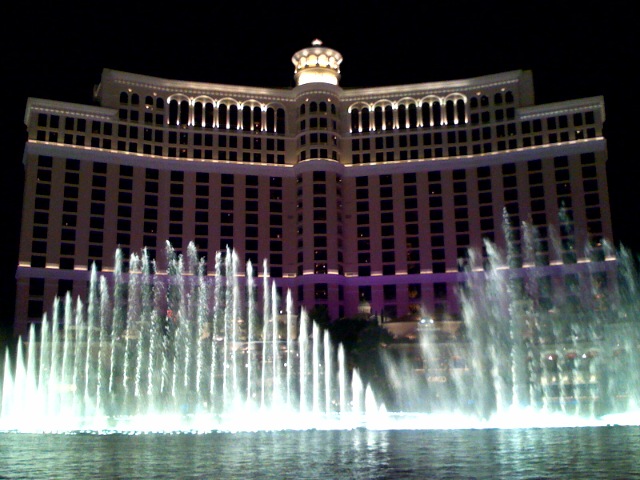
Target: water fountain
[181,351]
[527,355]
[187,351]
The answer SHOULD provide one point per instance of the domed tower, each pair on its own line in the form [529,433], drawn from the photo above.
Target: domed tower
[317,64]
[319,178]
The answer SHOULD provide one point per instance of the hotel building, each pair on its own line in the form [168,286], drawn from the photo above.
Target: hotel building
[354,196]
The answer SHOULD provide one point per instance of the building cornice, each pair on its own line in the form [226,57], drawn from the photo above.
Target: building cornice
[437,88]
[563,108]
[54,107]
[193,88]
[168,86]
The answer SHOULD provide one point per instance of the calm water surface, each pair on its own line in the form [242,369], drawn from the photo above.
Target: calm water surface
[563,453]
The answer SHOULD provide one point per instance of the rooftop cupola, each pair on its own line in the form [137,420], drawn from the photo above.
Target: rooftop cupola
[317,64]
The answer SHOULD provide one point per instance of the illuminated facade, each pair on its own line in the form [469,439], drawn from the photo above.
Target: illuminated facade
[353,195]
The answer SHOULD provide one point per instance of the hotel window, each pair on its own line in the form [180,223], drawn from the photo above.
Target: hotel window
[589,171]
[440,290]
[363,232]
[386,192]
[364,293]
[36,289]
[592,199]
[39,247]
[415,291]
[364,271]
[40,218]
[42,120]
[386,217]
[54,121]
[389,292]
[410,229]
[577,119]
[321,291]
[66,263]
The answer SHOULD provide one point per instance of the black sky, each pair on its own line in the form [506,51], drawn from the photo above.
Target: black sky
[575,49]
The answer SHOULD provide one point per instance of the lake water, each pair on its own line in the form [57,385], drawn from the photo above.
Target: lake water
[553,453]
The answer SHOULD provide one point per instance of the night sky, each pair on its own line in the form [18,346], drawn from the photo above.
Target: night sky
[575,50]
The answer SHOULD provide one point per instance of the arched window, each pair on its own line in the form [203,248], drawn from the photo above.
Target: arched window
[271,120]
[413,115]
[124,97]
[484,101]
[135,99]
[450,120]
[473,103]
[159,102]
[173,112]
[197,115]
[402,116]
[280,121]
[461,111]
[377,118]
[426,114]
[148,100]
[246,118]
[313,107]
[508,97]
[323,106]
[437,117]
[233,117]
[388,117]
[222,116]
[184,112]
[257,119]
[366,122]
[302,109]
[208,115]
[333,108]
[355,120]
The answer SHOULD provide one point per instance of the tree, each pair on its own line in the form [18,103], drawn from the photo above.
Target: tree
[364,341]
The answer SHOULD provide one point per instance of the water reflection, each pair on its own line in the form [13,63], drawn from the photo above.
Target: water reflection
[605,452]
